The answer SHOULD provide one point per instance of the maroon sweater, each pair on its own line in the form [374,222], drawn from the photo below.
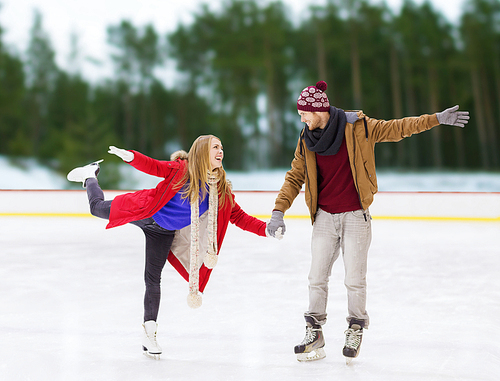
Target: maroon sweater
[337,192]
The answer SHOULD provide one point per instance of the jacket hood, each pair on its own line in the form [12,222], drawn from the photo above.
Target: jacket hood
[181,154]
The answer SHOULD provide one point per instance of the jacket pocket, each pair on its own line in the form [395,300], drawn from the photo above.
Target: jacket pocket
[370,175]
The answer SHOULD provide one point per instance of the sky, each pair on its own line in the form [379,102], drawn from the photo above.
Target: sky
[90,18]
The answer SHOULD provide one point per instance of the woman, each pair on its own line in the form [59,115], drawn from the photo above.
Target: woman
[185,215]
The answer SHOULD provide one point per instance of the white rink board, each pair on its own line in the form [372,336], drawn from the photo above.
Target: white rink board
[454,205]
[393,204]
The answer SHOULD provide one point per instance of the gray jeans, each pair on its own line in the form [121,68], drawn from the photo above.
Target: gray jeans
[158,243]
[351,232]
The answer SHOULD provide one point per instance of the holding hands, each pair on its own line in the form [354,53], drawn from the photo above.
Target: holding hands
[276,226]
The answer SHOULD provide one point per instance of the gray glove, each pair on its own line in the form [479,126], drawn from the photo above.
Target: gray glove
[452,117]
[276,226]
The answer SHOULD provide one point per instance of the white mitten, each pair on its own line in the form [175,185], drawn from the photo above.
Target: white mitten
[123,154]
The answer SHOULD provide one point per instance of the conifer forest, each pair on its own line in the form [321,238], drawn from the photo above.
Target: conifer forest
[240,71]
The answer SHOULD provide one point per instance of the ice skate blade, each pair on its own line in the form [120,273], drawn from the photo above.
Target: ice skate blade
[152,356]
[349,359]
[314,355]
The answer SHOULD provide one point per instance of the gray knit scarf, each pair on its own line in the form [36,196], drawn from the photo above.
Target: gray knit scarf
[327,141]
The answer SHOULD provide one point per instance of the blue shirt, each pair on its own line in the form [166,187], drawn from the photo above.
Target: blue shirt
[176,214]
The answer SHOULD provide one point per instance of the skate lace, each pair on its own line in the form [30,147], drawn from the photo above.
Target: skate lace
[310,335]
[353,338]
[152,337]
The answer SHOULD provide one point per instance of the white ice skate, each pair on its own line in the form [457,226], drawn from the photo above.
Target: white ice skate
[80,174]
[150,346]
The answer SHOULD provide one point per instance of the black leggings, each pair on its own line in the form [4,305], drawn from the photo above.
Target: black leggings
[158,243]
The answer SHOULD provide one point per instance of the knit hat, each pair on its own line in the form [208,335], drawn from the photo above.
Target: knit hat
[313,98]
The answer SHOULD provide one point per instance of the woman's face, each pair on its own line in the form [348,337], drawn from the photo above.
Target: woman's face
[216,153]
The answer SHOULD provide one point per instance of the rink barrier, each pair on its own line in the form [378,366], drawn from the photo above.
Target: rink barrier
[427,206]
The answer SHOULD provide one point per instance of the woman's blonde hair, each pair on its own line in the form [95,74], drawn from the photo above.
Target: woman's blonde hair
[198,170]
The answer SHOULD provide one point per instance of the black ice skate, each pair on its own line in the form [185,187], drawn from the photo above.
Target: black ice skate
[353,337]
[311,347]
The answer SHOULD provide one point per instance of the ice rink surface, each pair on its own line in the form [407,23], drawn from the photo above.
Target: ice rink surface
[71,305]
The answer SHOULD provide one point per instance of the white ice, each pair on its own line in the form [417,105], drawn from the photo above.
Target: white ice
[71,305]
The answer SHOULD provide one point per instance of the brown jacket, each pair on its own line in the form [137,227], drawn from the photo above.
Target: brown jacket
[360,139]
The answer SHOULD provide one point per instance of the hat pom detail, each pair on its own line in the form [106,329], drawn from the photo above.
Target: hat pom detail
[321,85]
[194,300]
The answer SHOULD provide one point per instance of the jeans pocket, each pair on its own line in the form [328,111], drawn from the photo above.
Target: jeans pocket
[360,213]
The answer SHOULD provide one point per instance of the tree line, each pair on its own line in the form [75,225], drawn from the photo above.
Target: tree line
[239,72]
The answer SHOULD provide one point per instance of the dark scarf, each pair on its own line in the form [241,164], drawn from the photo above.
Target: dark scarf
[327,141]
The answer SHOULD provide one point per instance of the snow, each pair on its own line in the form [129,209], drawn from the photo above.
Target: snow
[28,174]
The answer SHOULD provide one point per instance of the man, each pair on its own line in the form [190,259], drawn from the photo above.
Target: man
[336,161]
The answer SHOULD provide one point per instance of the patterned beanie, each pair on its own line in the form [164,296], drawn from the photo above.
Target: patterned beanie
[313,98]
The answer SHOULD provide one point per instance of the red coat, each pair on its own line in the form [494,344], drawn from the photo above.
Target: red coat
[145,203]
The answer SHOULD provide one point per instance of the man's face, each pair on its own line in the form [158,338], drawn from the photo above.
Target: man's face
[216,153]
[312,119]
